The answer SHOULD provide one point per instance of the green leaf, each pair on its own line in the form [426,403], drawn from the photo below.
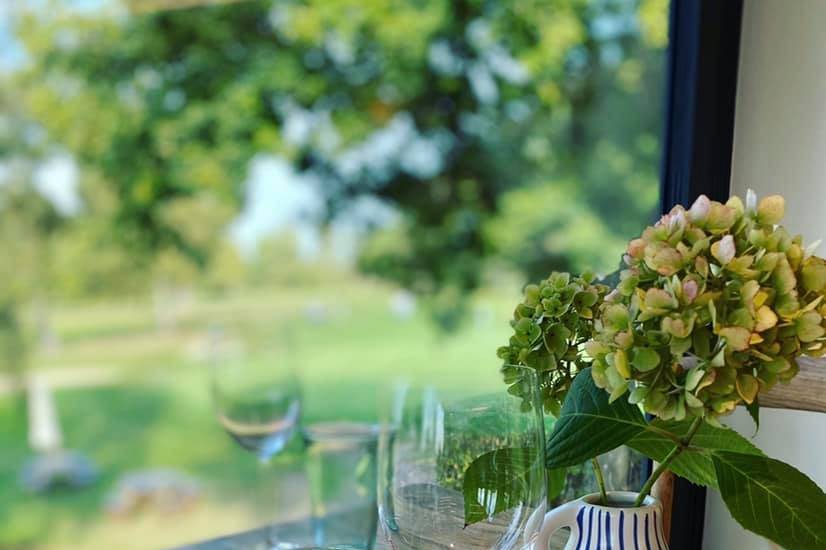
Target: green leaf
[589,425]
[712,309]
[814,277]
[808,326]
[497,481]
[702,341]
[616,316]
[695,463]
[645,359]
[754,412]
[693,378]
[772,499]
[557,479]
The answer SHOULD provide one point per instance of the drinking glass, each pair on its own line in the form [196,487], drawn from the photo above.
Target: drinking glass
[257,396]
[424,454]
[341,433]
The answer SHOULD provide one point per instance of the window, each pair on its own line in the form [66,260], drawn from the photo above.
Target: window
[382,177]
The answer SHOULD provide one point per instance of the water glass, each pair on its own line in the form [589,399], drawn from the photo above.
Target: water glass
[342,470]
[424,503]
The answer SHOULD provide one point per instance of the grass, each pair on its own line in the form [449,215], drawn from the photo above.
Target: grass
[160,415]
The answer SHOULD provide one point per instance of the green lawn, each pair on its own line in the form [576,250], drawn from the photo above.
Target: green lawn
[159,414]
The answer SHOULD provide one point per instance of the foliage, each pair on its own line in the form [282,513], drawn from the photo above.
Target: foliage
[28,224]
[164,127]
[717,303]
[165,109]
[589,425]
[514,467]
[563,234]
[695,463]
[550,325]
[756,489]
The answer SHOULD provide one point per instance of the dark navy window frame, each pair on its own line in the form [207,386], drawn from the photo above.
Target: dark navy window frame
[700,98]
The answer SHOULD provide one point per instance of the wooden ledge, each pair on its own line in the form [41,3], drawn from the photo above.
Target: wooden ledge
[806,392]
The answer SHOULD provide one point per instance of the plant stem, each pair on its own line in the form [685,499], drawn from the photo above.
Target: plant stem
[663,466]
[600,481]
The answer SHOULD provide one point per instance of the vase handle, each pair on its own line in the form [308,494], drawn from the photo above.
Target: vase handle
[559,517]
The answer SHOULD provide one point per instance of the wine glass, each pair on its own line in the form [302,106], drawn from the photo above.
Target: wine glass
[429,499]
[257,396]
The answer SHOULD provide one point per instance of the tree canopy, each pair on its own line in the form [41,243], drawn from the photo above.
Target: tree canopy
[513,129]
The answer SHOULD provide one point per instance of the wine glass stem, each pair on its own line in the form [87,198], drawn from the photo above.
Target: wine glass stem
[265,498]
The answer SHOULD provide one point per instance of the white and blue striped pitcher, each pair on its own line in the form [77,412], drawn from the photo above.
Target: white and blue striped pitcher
[621,526]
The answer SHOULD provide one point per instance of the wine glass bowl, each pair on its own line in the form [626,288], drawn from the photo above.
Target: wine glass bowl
[428,496]
[256,394]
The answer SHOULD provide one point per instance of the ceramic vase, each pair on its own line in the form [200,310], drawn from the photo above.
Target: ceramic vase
[618,526]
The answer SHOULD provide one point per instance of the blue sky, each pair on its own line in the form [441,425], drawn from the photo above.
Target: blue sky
[11,53]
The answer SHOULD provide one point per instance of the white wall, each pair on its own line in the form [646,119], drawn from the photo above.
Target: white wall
[780,121]
[780,147]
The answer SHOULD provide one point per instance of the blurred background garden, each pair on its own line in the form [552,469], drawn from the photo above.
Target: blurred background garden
[379,177]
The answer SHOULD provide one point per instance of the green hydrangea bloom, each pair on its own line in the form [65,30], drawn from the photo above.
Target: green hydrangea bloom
[715,305]
[553,321]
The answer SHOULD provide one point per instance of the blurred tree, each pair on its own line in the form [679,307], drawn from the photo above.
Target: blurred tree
[441,108]
[88,259]
[277,263]
[227,270]
[564,234]
[199,221]
[28,224]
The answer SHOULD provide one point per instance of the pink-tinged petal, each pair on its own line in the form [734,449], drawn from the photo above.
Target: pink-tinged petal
[677,220]
[724,250]
[699,210]
[636,248]
[659,299]
[690,290]
[667,261]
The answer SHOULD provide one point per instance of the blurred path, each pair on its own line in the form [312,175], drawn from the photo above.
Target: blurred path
[65,377]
